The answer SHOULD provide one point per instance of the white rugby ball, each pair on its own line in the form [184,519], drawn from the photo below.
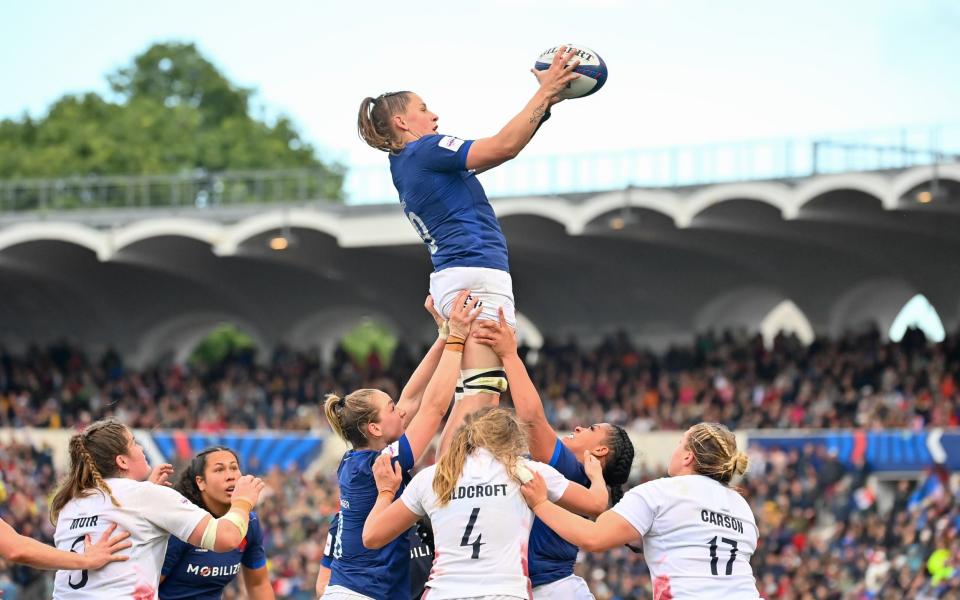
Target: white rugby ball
[592,70]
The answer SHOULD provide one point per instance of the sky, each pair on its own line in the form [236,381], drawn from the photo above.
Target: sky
[682,72]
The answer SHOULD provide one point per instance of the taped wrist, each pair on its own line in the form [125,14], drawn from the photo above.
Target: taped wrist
[235,515]
[483,381]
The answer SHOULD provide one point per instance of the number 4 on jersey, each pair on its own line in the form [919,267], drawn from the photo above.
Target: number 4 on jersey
[465,541]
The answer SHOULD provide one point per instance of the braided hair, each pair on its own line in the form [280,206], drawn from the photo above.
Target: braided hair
[187,483]
[93,458]
[619,461]
[715,452]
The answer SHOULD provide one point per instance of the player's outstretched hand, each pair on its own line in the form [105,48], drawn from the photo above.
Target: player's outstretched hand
[499,336]
[387,474]
[535,490]
[592,467]
[106,548]
[428,304]
[560,74]
[248,488]
[160,474]
[463,313]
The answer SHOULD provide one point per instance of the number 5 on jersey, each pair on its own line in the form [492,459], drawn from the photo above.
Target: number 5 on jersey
[465,541]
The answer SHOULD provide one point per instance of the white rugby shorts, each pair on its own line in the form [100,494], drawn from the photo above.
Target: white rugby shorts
[493,286]
[338,592]
[572,587]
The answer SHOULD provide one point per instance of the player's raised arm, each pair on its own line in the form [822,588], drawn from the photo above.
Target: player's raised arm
[439,392]
[501,338]
[412,393]
[487,153]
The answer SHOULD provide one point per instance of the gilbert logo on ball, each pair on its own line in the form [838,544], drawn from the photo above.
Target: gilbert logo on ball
[592,70]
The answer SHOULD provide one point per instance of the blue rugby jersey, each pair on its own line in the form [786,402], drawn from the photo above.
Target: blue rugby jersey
[447,205]
[384,573]
[551,557]
[193,572]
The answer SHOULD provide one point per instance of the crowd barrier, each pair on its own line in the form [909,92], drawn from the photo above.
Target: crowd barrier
[883,451]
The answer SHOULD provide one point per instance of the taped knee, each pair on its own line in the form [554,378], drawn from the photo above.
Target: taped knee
[483,381]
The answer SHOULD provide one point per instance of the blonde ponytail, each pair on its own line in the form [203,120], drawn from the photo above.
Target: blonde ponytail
[350,415]
[373,120]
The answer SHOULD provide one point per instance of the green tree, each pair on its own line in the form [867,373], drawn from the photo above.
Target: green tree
[174,113]
[369,337]
[224,341]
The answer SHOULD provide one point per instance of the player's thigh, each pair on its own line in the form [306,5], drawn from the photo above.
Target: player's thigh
[479,356]
[572,587]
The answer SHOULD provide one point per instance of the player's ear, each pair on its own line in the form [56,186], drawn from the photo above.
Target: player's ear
[399,122]
[201,484]
[374,430]
[121,462]
[600,451]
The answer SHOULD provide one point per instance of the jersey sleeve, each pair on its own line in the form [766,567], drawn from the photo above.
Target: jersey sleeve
[564,461]
[254,556]
[413,497]
[175,551]
[556,483]
[167,509]
[401,451]
[327,560]
[639,506]
[443,153]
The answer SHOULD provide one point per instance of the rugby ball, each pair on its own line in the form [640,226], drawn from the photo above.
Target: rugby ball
[592,70]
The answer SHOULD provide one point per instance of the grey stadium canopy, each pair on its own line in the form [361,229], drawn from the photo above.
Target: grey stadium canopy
[847,249]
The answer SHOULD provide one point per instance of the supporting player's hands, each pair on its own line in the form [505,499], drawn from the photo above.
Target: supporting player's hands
[535,490]
[160,474]
[387,474]
[106,548]
[498,335]
[592,466]
[559,74]
[437,318]
[248,488]
[463,313]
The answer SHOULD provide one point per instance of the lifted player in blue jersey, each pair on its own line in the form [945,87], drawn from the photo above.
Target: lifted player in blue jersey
[372,424]
[443,200]
[552,557]
[195,573]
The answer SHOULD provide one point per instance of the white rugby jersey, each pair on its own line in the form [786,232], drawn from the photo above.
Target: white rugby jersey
[698,537]
[481,535]
[150,512]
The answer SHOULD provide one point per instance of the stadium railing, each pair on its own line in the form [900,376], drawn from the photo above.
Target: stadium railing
[527,175]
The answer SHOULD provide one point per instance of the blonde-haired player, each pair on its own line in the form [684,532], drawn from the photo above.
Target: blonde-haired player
[472,495]
[698,534]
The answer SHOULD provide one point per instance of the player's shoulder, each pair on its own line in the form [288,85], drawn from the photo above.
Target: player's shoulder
[436,143]
[424,477]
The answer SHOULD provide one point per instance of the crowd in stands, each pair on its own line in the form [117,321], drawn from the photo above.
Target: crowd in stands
[825,531]
[855,381]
